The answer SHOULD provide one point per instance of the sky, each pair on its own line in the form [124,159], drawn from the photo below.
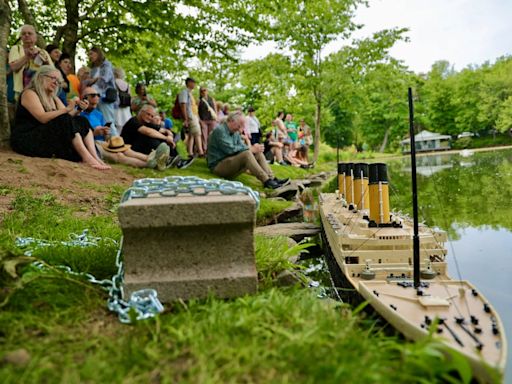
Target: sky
[463,32]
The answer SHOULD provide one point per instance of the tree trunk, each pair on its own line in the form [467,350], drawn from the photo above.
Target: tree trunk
[5,24]
[29,18]
[318,110]
[70,30]
[384,141]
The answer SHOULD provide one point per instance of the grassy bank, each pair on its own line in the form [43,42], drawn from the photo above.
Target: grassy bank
[279,335]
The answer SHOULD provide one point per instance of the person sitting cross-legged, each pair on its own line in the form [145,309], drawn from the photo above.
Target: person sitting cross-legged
[114,150]
[228,156]
[144,136]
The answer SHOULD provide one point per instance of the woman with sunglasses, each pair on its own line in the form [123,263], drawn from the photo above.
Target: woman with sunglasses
[44,127]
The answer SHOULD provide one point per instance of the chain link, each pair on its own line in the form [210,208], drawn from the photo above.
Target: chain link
[191,185]
[143,303]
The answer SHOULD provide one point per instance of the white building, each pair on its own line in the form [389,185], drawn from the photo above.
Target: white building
[427,141]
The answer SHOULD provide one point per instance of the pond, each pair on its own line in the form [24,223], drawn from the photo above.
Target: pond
[470,198]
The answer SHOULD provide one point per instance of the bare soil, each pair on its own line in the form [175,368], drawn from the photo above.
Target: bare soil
[71,183]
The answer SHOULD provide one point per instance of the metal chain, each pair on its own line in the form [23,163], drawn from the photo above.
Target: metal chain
[143,303]
[179,185]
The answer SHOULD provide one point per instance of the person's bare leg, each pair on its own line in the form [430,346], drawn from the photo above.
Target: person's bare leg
[91,147]
[122,158]
[135,154]
[199,144]
[189,141]
[85,155]
[278,154]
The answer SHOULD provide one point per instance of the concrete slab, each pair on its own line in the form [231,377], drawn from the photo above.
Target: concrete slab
[189,246]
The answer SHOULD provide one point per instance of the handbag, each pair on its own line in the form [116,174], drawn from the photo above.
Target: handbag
[125,99]
[110,95]
[210,109]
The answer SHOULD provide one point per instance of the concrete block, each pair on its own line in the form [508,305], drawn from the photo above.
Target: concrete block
[189,246]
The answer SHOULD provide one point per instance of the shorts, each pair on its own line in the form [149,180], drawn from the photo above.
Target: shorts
[194,128]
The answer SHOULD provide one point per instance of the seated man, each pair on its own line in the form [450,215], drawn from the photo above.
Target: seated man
[144,136]
[118,153]
[228,156]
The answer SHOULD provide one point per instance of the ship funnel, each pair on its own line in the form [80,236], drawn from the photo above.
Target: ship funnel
[361,194]
[342,170]
[349,187]
[379,194]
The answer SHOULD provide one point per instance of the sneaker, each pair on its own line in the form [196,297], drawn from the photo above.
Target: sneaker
[282,182]
[151,163]
[272,184]
[173,161]
[185,163]
[161,155]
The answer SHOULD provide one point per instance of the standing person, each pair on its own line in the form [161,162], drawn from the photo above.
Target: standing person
[190,114]
[228,156]
[253,126]
[44,127]
[66,67]
[26,59]
[54,52]
[207,115]
[141,98]
[123,113]
[85,79]
[220,113]
[103,72]
[291,129]
[67,92]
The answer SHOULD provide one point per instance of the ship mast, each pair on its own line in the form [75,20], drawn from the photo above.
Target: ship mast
[415,239]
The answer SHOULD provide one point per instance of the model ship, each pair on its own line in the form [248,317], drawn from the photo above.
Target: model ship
[399,267]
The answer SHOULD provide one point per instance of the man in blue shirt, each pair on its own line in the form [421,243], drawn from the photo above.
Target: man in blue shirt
[93,114]
[228,156]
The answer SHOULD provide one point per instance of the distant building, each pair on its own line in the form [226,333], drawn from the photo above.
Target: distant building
[427,141]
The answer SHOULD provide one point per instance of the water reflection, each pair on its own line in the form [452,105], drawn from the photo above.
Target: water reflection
[470,198]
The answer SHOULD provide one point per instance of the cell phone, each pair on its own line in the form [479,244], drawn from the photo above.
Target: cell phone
[108,124]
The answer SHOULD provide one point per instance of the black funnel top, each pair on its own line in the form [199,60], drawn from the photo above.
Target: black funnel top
[358,167]
[378,172]
[342,167]
[348,168]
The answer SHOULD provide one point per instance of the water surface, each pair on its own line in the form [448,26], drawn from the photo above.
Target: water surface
[471,199]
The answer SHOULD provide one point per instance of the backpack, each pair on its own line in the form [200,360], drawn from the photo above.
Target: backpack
[176,110]
[125,99]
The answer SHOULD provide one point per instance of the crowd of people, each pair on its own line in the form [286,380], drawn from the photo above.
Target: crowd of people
[92,117]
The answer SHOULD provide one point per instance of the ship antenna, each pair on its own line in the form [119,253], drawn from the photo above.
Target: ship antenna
[338,158]
[415,239]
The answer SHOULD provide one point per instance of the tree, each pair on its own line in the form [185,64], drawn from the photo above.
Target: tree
[5,22]
[305,28]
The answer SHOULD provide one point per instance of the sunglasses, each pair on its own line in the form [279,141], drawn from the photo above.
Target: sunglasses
[92,95]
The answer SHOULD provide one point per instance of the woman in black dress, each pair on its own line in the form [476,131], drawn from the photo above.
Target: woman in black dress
[44,127]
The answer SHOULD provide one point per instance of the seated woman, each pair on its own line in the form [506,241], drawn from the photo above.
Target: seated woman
[298,157]
[44,127]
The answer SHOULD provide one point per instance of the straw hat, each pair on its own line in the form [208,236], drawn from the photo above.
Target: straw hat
[115,144]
